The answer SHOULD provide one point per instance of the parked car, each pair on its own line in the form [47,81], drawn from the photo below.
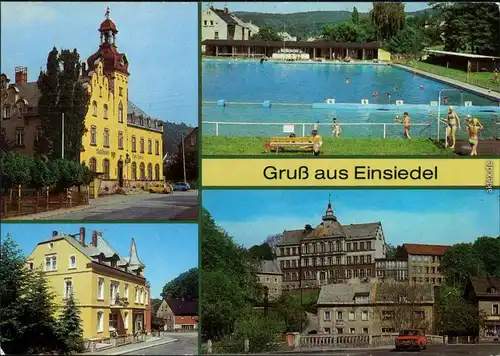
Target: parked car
[181,186]
[162,189]
[411,339]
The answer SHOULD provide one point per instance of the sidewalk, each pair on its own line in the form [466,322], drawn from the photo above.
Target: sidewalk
[151,342]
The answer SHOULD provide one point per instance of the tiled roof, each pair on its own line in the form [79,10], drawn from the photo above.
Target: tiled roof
[332,230]
[292,237]
[386,292]
[482,284]
[183,307]
[342,293]
[226,17]
[429,250]
[268,267]
[135,110]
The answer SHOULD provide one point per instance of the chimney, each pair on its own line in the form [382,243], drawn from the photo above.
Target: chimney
[84,68]
[82,235]
[94,238]
[21,75]
[54,233]
[308,227]
[226,10]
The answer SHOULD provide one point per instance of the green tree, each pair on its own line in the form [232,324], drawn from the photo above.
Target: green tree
[273,240]
[261,252]
[342,32]
[390,251]
[62,92]
[291,312]
[155,305]
[460,262]
[184,286]
[455,316]
[69,328]
[355,16]
[267,34]
[407,41]
[261,330]
[27,305]
[489,250]
[14,169]
[388,19]
[41,174]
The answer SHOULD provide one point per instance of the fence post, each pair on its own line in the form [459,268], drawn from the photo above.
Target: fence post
[19,193]
[47,198]
[247,345]
[303,130]
[385,131]
[209,346]
[69,197]
[216,129]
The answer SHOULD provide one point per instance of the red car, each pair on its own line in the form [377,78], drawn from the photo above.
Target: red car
[411,339]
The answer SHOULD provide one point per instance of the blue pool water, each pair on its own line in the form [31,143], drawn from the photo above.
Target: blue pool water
[249,81]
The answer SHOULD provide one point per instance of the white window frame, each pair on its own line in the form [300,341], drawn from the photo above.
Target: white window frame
[352,315]
[100,292]
[141,296]
[100,323]
[493,309]
[31,265]
[341,313]
[327,315]
[126,291]
[352,330]
[70,266]
[66,295]
[52,258]
[364,315]
[125,320]
[136,295]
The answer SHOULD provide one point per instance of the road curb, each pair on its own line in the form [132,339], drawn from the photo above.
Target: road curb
[144,347]
[49,214]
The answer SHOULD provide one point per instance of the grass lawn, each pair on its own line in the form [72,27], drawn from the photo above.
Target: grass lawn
[482,79]
[236,145]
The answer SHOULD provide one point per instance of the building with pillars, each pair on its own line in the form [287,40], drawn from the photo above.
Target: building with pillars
[330,252]
[122,142]
[110,290]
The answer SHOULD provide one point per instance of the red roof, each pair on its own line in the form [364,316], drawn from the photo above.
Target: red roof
[433,250]
[107,25]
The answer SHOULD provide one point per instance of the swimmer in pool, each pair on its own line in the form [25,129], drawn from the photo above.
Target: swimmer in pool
[445,100]
[453,122]
[347,81]
[336,128]
[473,129]
[375,94]
[422,87]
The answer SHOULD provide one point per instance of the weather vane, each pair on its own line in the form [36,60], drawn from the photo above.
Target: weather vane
[107,13]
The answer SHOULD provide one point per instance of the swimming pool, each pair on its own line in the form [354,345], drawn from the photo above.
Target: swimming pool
[251,81]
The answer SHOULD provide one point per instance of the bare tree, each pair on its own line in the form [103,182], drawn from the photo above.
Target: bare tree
[401,305]
[273,240]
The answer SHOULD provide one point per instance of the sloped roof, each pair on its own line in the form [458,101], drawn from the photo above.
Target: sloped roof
[342,293]
[386,292]
[183,307]
[133,257]
[482,284]
[268,267]
[428,250]
[226,17]
[135,110]
[292,237]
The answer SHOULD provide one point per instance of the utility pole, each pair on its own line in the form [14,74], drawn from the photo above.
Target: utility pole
[183,159]
[300,278]
[62,133]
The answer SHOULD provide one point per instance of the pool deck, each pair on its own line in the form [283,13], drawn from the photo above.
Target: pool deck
[485,148]
[456,83]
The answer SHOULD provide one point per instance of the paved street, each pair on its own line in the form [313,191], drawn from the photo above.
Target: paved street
[177,206]
[185,345]
[432,350]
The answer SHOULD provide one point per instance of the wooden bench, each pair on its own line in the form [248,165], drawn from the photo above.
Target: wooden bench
[281,144]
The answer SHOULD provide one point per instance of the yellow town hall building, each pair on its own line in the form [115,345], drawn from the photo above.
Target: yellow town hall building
[110,290]
[122,142]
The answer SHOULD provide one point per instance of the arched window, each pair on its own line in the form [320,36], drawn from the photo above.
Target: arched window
[105,111]
[150,146]
[142,169]
[141,145]
[93,135]
[6,112]
[134,144]
[157,171]
[93,164]
[106,138]
[94,108]
[134,171]
[150,171]
[120,112]
[105,168]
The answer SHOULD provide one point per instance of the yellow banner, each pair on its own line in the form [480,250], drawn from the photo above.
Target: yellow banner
[376,172]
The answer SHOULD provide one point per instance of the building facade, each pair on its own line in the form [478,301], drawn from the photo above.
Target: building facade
[395,269]
[423,262]
[179,314]
[190,142]
[330,252]
[110,290]
[221,24]
[373,308]
[121,142]
[270,276]
[484,293]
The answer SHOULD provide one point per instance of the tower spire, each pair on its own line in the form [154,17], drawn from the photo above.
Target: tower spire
[329,214]
[107,13]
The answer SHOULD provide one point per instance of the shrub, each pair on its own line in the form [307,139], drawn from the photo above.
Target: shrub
[262,331]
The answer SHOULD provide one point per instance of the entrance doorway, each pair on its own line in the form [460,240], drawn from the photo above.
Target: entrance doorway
[120,173]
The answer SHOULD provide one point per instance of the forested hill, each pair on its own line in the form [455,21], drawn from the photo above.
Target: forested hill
[303,24]
[172,134]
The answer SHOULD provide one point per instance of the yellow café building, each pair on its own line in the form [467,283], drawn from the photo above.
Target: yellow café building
[122,141]
[110,290]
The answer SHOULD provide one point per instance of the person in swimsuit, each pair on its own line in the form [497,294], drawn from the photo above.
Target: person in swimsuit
[445,100]
[336,128]
[495,72]
[347,81]
[451,130]
[406,121]
[473,129]
[318,140]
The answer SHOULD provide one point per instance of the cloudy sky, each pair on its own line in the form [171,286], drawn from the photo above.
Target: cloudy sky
[411,216]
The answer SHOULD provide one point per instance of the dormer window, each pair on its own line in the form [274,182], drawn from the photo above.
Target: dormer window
[6,112]
[491,290]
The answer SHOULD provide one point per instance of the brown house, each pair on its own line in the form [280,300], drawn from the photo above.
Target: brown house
[330,252]
[190,142]
[178,314]
[484,292]
[423,262]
